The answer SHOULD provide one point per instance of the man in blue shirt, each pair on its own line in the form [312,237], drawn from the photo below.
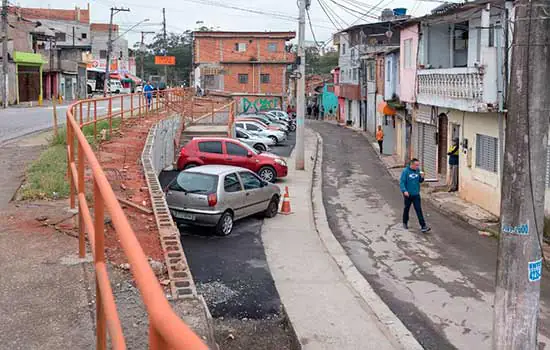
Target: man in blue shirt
[411,178]
[148,91]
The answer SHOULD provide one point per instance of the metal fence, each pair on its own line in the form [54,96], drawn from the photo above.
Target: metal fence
[166,329]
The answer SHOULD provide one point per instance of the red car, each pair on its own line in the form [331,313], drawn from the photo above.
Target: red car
[226,151]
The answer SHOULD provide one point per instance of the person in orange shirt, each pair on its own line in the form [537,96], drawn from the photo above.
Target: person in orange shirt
[380,137]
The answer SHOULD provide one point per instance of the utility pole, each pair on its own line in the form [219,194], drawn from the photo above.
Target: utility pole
[165,44]
[142,49]
[106,81]
[301,86]
[5,79]
[519,266]
[53,43]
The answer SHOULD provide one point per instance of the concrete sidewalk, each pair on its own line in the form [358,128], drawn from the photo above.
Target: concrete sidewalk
[330,305]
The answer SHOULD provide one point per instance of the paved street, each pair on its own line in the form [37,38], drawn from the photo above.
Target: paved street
[440,285]
[19,121]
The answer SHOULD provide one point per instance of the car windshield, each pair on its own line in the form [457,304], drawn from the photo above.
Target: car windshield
[192,182]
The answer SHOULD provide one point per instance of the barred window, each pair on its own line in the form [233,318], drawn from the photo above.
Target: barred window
[487,153]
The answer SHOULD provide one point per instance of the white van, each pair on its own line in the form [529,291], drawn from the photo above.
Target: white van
[115,86]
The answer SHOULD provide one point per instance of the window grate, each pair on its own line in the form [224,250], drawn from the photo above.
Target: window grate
[487,153]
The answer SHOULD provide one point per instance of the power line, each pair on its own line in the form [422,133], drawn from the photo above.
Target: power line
[335,15]
[353,11]
[311,28]
[328,16]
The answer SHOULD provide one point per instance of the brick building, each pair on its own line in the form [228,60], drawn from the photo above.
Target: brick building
[251,66]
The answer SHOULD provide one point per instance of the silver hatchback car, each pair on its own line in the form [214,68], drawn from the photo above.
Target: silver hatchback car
[218,195]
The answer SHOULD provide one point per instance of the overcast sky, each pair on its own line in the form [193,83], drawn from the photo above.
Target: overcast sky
[184,14]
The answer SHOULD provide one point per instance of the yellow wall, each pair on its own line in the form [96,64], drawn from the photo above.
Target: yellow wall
[477,185]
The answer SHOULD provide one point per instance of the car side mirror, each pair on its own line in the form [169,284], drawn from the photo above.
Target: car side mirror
[249,155]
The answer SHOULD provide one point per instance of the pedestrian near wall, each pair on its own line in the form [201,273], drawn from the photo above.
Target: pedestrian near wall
[411,178]
[380,137]
[453,163]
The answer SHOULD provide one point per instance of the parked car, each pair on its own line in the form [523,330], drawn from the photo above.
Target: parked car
[226,151]
[264,125]
[259,143]
[217,195]
[291,123]
[115,86]
[257,128]
[266,120]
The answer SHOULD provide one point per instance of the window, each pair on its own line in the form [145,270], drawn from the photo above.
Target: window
[388,73]
[195,182]
[236,150]
[60,36]
[240,125]
[232,184]
[211,147]
[272,47]
[84,35]
[120,54]
[240,134]
[252,127]
[492,35]
[407,48]
[240,47]
[243,78]
[250,181]
[371,71]
[102,54]
[354,74]
[265,78]
[343,49]
[487,153]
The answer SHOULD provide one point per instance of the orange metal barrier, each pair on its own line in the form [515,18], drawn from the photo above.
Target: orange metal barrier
[166,329]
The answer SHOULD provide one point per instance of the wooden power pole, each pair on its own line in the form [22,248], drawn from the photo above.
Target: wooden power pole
[165,40]
[519,267]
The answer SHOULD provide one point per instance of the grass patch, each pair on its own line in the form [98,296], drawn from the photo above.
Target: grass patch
[46,176]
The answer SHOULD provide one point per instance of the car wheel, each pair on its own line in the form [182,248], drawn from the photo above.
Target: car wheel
[293,127]
[225,225]
[276,140]
[268,174]
[273,207]
[189,166]
[260,147]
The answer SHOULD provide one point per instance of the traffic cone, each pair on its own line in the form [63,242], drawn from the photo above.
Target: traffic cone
[285,209]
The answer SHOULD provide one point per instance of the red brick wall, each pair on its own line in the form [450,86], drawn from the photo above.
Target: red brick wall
[209,50]
[254,85]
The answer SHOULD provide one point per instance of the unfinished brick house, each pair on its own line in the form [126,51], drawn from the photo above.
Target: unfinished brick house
[250,66]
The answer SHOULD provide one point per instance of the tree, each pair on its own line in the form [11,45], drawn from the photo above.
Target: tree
[320,64]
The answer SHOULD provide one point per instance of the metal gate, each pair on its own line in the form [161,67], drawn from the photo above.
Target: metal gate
[28,79]
[388,126]
[427,149]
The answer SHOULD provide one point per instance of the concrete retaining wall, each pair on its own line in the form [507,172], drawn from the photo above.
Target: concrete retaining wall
[164,135]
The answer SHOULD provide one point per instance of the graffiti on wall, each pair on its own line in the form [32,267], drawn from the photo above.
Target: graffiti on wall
[260,104]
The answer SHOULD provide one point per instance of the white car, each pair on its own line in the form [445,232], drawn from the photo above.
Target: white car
[259,130]
[259,143]
[115,86]
[280,114]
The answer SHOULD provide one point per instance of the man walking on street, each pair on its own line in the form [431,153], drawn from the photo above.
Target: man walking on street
[380,137]
[148,91]
[411,178]
[453,162]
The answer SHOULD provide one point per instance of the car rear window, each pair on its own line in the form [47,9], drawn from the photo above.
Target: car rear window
[192,182]
[211,147]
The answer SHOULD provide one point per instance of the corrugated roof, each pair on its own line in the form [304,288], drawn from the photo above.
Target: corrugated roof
[73,15]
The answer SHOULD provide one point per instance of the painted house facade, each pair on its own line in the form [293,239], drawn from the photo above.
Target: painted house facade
[459,54]
[250,66]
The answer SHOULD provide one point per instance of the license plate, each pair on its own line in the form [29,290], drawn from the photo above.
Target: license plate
[184,216]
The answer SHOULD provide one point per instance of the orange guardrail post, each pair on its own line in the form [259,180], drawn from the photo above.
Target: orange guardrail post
[121,109]
[110,116]
[95,120]
[99,256]
[132,105]
[81,226]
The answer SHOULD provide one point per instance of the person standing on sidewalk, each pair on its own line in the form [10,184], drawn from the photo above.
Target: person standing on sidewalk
[411,178]
[148,91]
[380,137]
[453,163]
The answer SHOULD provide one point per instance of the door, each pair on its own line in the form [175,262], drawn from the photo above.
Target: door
[234,195]
[211,152]
[427,146]
[237,155]
[256,197]
[68,88]
[28,78]
[442,144]
[389,134]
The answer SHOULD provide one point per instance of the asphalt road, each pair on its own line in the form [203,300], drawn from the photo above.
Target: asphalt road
[16,122]
[440,285]
[231,272]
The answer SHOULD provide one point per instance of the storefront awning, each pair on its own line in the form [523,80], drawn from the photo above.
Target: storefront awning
[28,58]
[385,109]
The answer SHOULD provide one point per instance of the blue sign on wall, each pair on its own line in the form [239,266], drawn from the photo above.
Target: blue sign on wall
[535,270]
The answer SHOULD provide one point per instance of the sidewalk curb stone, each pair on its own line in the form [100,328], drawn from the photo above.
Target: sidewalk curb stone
[395,329]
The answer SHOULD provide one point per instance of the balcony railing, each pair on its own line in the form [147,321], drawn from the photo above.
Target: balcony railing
[460,88]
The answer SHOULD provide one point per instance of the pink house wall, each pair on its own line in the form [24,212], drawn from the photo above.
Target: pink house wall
[408,75]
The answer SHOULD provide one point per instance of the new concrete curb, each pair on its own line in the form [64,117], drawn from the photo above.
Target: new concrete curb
[394,328]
